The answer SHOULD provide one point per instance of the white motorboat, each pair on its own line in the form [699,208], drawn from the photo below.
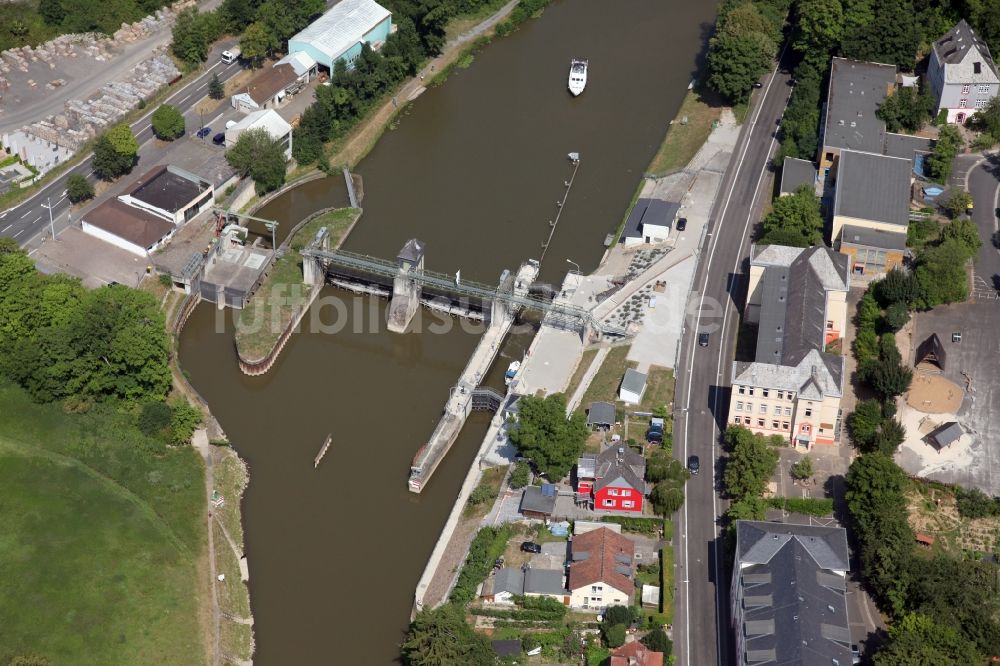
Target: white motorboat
[577,76]
[511,372]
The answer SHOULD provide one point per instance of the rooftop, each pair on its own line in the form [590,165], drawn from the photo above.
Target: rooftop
[539,499]
[544,581]
[619,466]
[342,26]
[873,187]
[133,224]
[856,90]
[270,82]
[793,592]
[636,654]
[796,172]
[946,434]
[907,145]
[602,556]
[301,62]
[818,374]
[633,381]
[652,212]
[601,413]
[960,50]
[269,119]
[167,188]
[877,238]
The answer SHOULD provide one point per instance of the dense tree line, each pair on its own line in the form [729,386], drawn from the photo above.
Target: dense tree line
[545,435]
[59,340]
[744,45]
[751,463]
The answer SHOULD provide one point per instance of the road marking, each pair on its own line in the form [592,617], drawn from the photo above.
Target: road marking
[215,118]
[91,172]
[687,397]
[184,99]
[36,219]
[6,228]
[19,233]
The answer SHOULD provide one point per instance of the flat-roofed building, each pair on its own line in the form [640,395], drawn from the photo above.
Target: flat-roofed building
[340,33]
[794,174]
[268,120]
[873,191]
[872,252]
[132,229]
[170,192]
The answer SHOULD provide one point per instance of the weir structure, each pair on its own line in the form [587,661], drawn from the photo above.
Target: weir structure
[409,285]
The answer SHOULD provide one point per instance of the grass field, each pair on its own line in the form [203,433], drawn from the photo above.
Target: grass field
[682,141]
[100,540]
[581,370]
[267,314]
[604,386]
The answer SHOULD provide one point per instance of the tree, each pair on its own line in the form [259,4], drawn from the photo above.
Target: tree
[741,50]
[898,286]
[747,508]
[519,477]
[795,220]
[215,88]
[658,641]
[167,122]
[115,152]
[895,317]
[957,203]
[819,27]
[258,42]
[624,615]
[183,422]
[974,503]
[916,640]
[750,465]
[661,465]
[965,232]
[863,424]
[890,435]
[941,274]
[666,498]
[881,31]
[907,109]
[442,637]
[262,157]
[803,469]
[987,120]
[948,145]
[52,12]
[78,188]
[190,39]
[614,636]
[547,436]
[154,417]
[800,124]
[868,310]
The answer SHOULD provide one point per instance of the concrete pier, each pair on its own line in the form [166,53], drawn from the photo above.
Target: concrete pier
[406,290]
[459,403]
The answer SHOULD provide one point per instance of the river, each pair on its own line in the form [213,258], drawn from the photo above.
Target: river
[474,169]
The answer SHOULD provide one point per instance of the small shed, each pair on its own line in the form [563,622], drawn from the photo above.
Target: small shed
[932,351]
[945,435]
[925,539]
[633,387]
[651,595]
[509,648]
[794,174]
[538,501]
[601,415]
[507,584]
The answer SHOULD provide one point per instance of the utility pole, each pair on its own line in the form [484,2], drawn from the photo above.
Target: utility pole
[52,226]
[570,261]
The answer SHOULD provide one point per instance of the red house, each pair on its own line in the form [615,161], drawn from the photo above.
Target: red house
[614,480]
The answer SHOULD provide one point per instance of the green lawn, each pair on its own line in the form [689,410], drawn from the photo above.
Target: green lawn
[604,386]
[102,528]
[659,388]
[276,301]
[581,369]
[682,141]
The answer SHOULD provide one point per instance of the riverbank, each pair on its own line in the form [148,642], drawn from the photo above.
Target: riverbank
[687,132]
[264,323]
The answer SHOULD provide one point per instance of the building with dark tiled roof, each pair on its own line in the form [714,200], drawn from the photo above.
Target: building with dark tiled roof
[613,480]
[797,297]
[635,654]
[601,570]
[962,74]
[788,596]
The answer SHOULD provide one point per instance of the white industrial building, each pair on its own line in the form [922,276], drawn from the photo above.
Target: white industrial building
[268,120]
[340,32]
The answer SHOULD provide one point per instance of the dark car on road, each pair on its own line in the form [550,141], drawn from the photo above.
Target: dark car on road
[682,224]
[204,131]
[703,339]
[219,138]
[530,547]
[693,464]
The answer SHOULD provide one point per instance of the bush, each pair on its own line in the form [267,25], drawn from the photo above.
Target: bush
[895,317]
[638,525]
[803,469]
[154,417]
[974,503]
[810,506]
[614,636]
[78,188]
[658,641]
[519,477]
[486,547]
[482,495]
[183,423]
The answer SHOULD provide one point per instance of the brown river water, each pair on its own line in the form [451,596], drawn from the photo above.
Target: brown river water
[474,169]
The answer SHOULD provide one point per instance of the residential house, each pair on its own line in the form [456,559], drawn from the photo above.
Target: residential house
[794,174]
[601,570]
[873,192]
[601,415]
[962,74]
[649,221]
[340,33]
[539,501]
[797,297]
[636,654]
[633,387]
[265,119]
[267,90]
[788,594]
[526,581]
[614,480]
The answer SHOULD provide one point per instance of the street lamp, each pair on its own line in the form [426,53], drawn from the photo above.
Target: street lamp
[570,261]
[52,226]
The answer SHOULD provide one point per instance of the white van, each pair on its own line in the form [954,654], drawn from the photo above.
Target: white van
[229,57]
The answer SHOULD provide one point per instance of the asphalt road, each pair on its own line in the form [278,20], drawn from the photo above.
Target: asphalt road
[982,180]
[701,627]
[30,219]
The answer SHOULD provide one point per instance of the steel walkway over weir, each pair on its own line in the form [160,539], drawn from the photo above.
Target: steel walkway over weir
[450,284]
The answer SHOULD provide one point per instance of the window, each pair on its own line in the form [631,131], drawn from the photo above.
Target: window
[628,504]
[821,431]
[763,409]
[829,324]
[977,67]
[983,88]
[774,425]
[596,588]
[781,395]
[788,411]
[784,425]
[764,392]
[966,88]
[806,428]
[760,423]
[749,406]
[608,502]
[809,411]
[739,406]
[963,103]
[751,390]
[613,492]
[737,420]
[626,492]
[742,389]
[791,395]
[981,103]
[746,420]
[777,410]
[829,157]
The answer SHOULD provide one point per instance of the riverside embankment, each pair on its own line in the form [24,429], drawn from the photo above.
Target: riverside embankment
[474,169]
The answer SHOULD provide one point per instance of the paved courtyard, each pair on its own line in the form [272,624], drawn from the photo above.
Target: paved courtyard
[95,262]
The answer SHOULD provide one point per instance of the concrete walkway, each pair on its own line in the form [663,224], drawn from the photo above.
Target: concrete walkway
[588,376]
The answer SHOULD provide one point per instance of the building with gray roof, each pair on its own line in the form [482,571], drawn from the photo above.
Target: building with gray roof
[962,74]
[872,191]
[855,91]
[788,594]
[538,501]
[601,415]
[795,173]
[633,387]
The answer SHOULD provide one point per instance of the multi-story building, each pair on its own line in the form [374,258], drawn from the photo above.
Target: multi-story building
[601,569]
[797,297]
[614,480]
[788,597]
[962,74]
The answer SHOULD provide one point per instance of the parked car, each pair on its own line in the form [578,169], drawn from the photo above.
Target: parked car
[682,223]
[694,464]
[703,339]
[655,432]
[758,84]
[204,131]
[530,547]
[855,655]
[219,138]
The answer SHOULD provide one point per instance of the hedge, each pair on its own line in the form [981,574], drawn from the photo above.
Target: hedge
[811,506]
[519,615]
[640,525]
[667,583]
[489,544]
